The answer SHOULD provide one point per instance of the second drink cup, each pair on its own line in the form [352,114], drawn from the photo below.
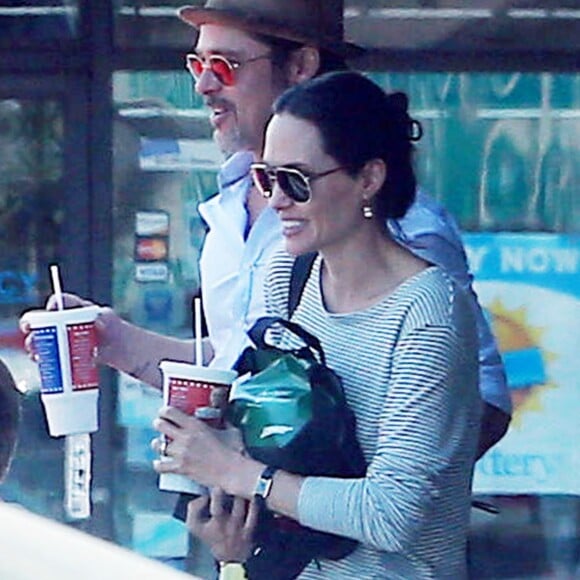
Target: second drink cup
[198,391]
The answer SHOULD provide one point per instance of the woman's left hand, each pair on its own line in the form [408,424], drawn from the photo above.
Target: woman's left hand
[226,524]
[191,448]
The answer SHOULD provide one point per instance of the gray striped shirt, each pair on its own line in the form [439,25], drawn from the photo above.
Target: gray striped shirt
[410,373]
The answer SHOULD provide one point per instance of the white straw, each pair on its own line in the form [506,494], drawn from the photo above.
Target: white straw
[54,274]
[197,322]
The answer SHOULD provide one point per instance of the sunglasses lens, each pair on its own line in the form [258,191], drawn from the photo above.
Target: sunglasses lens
[222,69]
[262,181]
[291,182]
[294,185]
[218,65]
[194,65]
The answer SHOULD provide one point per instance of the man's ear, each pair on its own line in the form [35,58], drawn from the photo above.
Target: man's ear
[304,64]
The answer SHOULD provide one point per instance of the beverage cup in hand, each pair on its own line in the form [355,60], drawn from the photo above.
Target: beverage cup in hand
[197,391]
[65,343]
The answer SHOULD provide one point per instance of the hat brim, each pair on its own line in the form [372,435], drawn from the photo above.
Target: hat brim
[198,16]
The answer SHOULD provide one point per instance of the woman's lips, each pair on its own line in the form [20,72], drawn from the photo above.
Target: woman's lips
[292,227]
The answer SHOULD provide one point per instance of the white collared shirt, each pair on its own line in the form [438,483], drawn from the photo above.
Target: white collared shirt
[233,267]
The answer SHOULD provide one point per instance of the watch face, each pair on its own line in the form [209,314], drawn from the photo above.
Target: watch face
[263,487]
[264,483]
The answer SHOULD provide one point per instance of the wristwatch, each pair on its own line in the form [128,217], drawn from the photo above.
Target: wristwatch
[232,571]
[264,484]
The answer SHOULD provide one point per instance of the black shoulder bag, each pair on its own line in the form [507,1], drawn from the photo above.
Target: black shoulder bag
[321,441]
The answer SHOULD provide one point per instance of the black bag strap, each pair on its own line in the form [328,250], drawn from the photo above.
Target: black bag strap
[258,331]
[300,272]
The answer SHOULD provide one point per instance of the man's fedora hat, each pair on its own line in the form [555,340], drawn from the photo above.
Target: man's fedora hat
[316,22]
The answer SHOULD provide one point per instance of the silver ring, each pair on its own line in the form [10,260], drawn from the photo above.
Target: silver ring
[163,447]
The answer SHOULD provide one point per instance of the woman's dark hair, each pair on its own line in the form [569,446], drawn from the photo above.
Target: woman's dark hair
[359,122]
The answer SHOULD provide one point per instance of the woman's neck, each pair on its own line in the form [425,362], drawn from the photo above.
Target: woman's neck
[363,273]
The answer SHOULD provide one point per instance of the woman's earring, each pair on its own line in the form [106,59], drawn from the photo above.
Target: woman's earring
[367,209]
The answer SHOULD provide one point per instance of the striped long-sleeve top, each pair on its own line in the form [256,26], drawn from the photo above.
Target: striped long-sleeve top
[409,367]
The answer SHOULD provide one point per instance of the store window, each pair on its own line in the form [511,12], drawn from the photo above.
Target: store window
[33,22]
[30,198]
[452,27]
[499,152]
[164,165]
[31,215]
[151,23]
[457,26]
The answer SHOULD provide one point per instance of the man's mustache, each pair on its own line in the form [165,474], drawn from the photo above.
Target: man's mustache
[219,103]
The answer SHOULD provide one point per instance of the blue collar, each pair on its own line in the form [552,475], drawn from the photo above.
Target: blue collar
[236,168]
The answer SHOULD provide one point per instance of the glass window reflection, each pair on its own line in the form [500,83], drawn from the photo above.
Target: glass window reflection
[29,21]
[151,23]
[31,214]
[499,152]
[451,26]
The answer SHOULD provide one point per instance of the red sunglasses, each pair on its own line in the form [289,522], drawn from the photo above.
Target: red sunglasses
[222,67]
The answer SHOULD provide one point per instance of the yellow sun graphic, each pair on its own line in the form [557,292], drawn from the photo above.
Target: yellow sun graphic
[525,360]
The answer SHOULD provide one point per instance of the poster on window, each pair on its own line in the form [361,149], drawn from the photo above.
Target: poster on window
[529,286]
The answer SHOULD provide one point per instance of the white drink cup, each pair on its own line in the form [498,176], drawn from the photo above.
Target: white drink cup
[65,343]
[189,388]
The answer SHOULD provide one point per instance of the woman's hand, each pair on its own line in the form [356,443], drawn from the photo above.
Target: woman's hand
[226,524]
[193,449]
[215,458]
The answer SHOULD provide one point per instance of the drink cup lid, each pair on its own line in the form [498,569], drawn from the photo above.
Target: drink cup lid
[190,371]
[38,318]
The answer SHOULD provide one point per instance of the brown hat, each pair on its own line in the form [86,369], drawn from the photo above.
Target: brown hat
[317,22]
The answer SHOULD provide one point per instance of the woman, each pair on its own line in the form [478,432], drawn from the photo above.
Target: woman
[337,164]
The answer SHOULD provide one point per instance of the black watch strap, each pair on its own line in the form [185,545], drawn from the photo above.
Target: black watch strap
[264,484]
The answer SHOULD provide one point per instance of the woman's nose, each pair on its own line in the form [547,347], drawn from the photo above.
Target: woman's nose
[279,199]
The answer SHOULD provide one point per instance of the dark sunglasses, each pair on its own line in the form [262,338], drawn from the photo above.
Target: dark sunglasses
[222,67]
[293,182]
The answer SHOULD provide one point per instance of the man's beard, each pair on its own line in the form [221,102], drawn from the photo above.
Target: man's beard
[230,142]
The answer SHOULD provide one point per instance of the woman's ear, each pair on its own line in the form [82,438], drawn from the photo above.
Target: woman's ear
[304,64]
[372,177]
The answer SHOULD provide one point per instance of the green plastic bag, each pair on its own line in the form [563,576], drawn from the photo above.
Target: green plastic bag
[272,406]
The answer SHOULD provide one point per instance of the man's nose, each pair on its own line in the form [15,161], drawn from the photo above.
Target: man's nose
[207,82]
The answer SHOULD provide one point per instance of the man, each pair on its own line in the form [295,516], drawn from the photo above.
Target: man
[247,52]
